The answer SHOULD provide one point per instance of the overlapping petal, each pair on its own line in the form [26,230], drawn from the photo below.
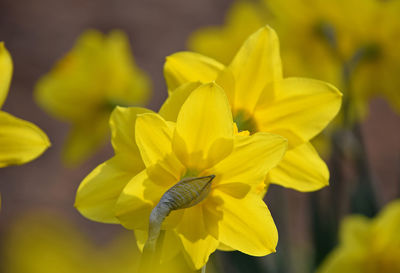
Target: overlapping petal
[20,140]
[137,200]
[301,169]
[169,248]
[98,192]
[171,107]
[256,64]
[183,67]
[122,123]
[204,118]
[197,242]
[251,159]
[153,137]
[302,108]
[255,234]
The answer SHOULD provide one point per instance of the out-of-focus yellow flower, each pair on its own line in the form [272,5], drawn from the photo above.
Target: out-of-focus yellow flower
[263,101]
[202,142]
[367,245]
[20,140]
[98,74]
[322,39]
[53,244]
[222,43]
[43,242]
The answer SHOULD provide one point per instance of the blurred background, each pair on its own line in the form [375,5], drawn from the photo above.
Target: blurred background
[38,33]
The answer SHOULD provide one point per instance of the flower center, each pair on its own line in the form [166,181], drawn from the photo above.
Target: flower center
[245,122]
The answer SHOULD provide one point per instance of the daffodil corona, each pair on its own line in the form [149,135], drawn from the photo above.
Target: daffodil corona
[84,87]
[201,143]
[263,101]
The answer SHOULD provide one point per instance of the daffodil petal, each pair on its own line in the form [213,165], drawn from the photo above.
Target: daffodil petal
[137,200]
[20,140]
[252,157]
[224,247]
[303,108]
[344,261]
[122,123]
[301,169]
[196,241]
[183,67]
[153,137]
[256,233]
[204,118]
[256,64]
[6,68]
[222,42]
[169,248]
[171,107]
[98,193]
[355,231]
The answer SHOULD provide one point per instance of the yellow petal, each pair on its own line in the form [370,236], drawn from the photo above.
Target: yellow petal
[252,157]
[126,82]
[97,74]
[197,243]
[222,42]
[169,247]
[172,105]
[183,67]
[302,108]
[247,225]
[204,118]
[137,200]
[20,140]
[84,139]
[153,137]
[387,225]
[98,193]
[344,261]
[301,169]
[6,68]
[355,231]
[122,123]
[256,64]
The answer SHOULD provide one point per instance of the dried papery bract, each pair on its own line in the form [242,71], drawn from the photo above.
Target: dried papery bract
[187,193]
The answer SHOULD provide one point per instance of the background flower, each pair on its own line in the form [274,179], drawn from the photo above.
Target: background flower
[86,84]
[367,245]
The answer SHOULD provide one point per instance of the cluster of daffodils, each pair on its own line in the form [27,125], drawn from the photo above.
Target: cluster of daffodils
[190,179]
[322,39]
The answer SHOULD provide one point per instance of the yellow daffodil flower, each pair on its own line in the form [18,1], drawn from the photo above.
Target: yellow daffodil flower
[367,245]
[53,244]
[321,39]
[263,101]
[20,140]
[202,142]
[85,86]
